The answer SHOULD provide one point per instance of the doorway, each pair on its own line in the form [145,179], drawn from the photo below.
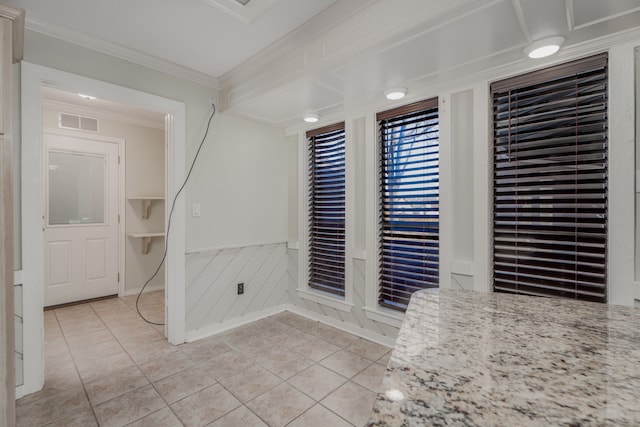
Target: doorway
[81,222]
[34,77]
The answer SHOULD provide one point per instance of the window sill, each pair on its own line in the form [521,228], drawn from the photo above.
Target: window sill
[383,315]
[325,299]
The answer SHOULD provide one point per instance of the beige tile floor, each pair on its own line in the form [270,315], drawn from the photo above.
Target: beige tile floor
[105,366]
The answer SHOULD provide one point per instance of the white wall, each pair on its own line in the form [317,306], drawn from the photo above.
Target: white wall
[240,182]
[244,213]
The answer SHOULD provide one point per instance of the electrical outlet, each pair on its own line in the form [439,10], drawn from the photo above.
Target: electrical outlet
[240,288]
[212,103]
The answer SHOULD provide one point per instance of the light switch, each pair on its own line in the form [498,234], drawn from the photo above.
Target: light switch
[195,210]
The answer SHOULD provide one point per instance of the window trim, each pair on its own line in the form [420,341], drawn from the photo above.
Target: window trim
[327,211]
[430,106]
[547,76]
[303,290]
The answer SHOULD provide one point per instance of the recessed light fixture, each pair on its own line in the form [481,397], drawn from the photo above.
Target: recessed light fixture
[396,93]
[89,97]
[543,48]
[311,118]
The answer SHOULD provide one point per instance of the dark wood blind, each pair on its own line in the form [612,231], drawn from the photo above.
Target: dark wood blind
[409,202]
[550,181]
[327,208]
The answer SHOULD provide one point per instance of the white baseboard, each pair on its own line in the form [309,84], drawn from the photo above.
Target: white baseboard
[20,392]
[258,315]
[154,288]
[233,323]
[347,327]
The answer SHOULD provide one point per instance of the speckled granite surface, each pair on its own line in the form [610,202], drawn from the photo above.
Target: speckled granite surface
[465,358]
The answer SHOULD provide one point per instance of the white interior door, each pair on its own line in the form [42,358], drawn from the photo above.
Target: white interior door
[81,218]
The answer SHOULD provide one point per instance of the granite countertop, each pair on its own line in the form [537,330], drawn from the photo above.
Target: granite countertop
[467,358]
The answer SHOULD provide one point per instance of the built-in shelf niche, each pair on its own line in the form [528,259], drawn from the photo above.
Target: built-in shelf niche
[145,236]
[145,202]
[145,240]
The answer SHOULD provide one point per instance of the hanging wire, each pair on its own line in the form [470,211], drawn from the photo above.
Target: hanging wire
[173,205]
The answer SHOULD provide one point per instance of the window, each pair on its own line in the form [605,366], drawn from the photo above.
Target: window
[327,208]
[409,202]
[550,181]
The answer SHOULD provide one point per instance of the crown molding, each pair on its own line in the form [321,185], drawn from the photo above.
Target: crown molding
[246,13]
[319,24]
[118,51]
[63,107]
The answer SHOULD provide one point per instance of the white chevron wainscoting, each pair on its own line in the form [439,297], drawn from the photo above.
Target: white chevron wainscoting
[269,273]
[356,321]
[213,304]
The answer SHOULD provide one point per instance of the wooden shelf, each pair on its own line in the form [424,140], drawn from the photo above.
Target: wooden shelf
[145,239]
[146,202]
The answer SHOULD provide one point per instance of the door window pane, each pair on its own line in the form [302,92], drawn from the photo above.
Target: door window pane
[77,188]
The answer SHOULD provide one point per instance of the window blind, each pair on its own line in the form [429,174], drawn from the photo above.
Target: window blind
[550,181]
[409,202]
[327,208]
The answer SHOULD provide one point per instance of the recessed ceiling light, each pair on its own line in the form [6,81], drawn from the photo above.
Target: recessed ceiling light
[543,48]
[311,118]
[395,94]
[89,97]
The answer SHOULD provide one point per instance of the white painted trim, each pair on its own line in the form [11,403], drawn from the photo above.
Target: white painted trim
[360,254]
[21,391]
[33,76]
[482,190]
[293,245]
[621,221]
[32,229]
[217,328]
[148,289]
[464,268]
[371,211]
[343,326]
[227,248]
[445,214]
[322,22]
[303,209]
[606,18]
[17,277]
[522,21]
[350,209]
[99,114]
[118,51]
[258,315]
[325,298]
[382,315]
[122,231]
[304,291]
[175,241]
[248,13]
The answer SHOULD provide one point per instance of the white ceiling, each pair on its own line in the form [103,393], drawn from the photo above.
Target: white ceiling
[201,35]
[274,60]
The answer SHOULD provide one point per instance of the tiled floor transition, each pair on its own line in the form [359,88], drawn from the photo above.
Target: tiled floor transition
[106,367]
